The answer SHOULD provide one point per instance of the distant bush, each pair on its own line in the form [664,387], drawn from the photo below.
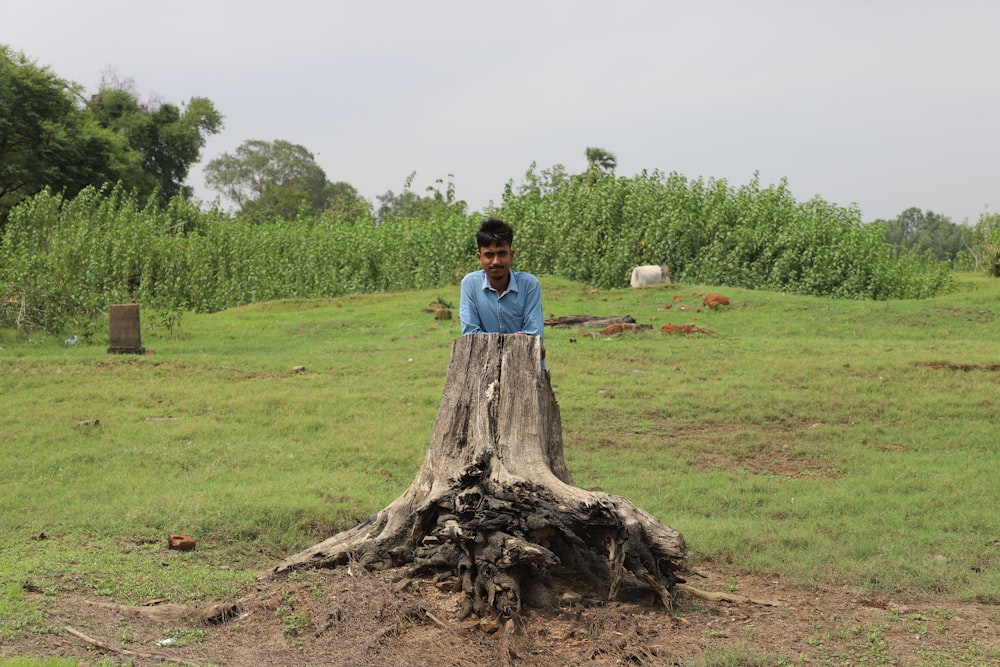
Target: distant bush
[63,261]
[986,244]
[709,232]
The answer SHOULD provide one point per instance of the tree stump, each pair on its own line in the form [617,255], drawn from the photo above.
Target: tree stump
[493,506]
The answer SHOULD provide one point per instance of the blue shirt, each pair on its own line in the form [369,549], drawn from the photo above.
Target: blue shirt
[519,309]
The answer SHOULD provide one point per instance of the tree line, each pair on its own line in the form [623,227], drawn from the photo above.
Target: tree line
[53,136]
[64,259]
[95,211]
[966,247]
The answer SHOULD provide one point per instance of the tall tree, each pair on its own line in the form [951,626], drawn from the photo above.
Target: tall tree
[599,163]
[50,137]
[268,179]
[925,231]
[168,139]
[409,204]
[344,202]
[46,139]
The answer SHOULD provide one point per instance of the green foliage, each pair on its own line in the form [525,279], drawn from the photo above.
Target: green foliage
[163,140]
[68,251]
[599,164]
[343,202]
[596,230]
[410,205]
[986,244]
[50,138]
[270,180]
[64,260]
[46,138]
[927,232]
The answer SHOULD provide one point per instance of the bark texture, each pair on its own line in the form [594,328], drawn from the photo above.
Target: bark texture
[493,506]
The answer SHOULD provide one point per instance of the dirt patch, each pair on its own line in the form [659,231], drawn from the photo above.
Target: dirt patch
[715,300]
[346,617]
[948,366]
[684,329]
[774,457]
[768,460]
[613,329]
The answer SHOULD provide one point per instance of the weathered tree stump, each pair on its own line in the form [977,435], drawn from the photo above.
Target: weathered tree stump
[493,505]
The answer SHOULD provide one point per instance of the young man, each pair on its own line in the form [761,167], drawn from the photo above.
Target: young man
[497,299]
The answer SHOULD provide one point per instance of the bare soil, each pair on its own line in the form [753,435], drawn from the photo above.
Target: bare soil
[350,617]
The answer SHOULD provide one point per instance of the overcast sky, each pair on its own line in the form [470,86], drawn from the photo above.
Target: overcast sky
[886,104]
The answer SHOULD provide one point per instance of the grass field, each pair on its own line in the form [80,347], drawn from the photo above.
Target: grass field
[843,442]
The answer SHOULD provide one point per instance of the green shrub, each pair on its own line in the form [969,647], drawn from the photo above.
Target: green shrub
[709,232]
[63,261]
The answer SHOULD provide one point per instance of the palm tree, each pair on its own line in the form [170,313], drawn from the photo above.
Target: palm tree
[599,163]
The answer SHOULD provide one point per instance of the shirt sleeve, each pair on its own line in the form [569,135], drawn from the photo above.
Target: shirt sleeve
[468,310]
[534,319]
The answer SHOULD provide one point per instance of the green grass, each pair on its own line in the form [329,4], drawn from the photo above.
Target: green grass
[809,437]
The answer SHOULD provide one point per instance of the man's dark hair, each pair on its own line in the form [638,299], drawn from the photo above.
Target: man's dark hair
[494,230]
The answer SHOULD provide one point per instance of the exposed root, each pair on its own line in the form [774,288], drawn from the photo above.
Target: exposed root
[722,597]
[176,613]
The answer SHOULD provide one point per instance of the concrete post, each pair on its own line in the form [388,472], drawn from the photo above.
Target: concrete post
[124,324]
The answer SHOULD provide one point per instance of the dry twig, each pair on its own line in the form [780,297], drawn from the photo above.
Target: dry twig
[122,651]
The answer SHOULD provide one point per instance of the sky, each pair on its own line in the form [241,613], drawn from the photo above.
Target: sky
[879,104]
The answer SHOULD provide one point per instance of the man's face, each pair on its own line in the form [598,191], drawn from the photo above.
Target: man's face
[495,260]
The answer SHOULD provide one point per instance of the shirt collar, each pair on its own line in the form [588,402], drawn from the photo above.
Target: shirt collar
[511,286]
